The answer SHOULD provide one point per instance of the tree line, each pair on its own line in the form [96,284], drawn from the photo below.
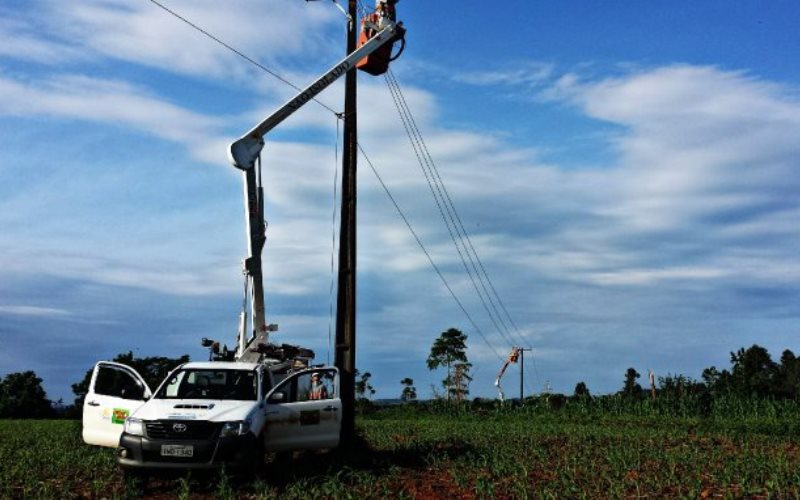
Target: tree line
[753,374]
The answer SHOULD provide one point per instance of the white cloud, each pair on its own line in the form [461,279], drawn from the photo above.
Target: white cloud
[143,33]
[531,74]
[23,40]
[33,311]
[110,102]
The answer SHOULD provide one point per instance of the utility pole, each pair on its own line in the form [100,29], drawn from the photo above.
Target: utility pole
[522,372]
[345,350]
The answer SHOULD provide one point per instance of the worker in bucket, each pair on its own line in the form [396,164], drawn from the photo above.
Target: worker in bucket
[386,8]
[317,390]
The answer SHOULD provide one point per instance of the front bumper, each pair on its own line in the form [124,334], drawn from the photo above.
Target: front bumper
[137,452]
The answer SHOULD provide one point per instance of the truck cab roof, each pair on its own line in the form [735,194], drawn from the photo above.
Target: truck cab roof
[219,365]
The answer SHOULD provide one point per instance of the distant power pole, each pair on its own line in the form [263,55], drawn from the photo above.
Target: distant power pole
[345,350]
[652,376]
[522,352]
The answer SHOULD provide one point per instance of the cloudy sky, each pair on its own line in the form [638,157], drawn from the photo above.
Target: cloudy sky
[627,172]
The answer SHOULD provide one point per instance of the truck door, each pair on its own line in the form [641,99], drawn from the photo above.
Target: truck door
[304,411]
[115,392]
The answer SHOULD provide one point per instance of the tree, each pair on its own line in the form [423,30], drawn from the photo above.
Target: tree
[364,389]
[459,385]
[409,391]
[753,371]
[152,369]
[450,347]
[22,396]
[788,383]
[581,391]
[711,377]
[631,389]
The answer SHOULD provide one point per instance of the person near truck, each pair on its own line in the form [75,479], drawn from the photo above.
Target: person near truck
[317,390]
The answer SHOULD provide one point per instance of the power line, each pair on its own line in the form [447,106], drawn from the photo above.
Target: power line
[425,251]
[444,203]
[451,216]
[333,243]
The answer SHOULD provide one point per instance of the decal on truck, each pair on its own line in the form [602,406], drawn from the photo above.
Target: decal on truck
[119,415]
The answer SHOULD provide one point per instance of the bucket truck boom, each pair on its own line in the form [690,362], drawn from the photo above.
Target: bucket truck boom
[244,154]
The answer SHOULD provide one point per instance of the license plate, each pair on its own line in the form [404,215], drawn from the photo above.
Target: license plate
[176,450]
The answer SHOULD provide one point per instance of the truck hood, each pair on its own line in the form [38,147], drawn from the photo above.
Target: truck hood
[195,409]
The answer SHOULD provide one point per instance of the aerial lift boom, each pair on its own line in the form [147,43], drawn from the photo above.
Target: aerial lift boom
[244,154]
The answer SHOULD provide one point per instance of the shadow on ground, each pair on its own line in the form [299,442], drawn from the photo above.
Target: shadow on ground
[283,470]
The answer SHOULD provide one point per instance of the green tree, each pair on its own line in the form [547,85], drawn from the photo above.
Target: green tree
[581,391]
[22,396]
[152,369]
[788,376]
[364,389]
[753,371]
[448,348]
[409,391]
[631,389]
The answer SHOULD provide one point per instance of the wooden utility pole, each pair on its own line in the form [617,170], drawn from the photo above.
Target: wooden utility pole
[345,350]
[522,372]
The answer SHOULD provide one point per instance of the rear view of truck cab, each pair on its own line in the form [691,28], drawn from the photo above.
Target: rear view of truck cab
[209,415]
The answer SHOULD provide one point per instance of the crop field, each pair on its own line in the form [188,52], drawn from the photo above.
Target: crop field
[408,453]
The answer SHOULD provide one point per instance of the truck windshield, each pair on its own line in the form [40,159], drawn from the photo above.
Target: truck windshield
[210,384]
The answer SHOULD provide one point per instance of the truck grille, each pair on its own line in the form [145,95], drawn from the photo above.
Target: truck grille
[181,429]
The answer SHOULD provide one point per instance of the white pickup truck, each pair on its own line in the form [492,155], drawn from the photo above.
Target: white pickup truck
[209,415]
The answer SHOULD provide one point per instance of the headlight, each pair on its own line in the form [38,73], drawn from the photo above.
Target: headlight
[238,428]
[134,426]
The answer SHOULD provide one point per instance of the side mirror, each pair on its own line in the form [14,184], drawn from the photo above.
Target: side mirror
[277,397]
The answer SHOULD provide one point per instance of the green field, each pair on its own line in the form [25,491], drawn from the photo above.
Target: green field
[420,454]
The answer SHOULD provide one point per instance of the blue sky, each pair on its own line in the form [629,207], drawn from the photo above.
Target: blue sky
[628,172]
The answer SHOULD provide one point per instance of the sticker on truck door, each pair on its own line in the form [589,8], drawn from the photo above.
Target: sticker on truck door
[118,415]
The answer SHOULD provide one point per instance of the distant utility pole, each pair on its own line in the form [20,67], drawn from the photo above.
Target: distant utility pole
[345,350]
[652,376]
[522,352]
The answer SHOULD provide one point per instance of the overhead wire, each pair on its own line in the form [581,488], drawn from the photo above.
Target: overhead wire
[436,188]
[423,157]
[452,211]
[452,218]
[427,254]
[331,297]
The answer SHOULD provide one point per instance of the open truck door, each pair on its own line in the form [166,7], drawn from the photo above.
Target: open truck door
[115,392]
[304,411]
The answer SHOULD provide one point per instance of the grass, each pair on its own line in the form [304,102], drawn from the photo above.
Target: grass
[408,453]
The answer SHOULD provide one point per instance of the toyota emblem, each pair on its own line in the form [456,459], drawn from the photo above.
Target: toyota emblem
[179,427]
